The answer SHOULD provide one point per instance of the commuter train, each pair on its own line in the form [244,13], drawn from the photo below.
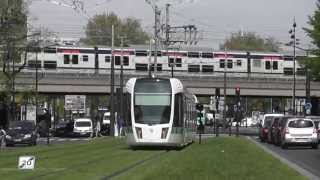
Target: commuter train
[161,113]
[142,60]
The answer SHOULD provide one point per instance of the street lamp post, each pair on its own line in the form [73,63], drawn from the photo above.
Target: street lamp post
[294,42]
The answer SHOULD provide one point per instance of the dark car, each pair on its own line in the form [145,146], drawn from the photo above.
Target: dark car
[63,129]
[272,129]
[21,132]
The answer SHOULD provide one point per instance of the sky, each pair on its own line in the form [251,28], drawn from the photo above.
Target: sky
[215,19]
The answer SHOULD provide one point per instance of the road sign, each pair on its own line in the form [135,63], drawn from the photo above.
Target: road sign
[75,102]
[26,162]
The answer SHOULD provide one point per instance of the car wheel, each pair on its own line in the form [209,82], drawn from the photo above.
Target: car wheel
[284,146]
[314,146]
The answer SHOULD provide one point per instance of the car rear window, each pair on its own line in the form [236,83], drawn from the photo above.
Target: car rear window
[300,123]
[267,121]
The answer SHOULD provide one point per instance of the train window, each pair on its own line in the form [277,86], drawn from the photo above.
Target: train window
[193,68]
[170,62]
[256,63]
[275,65]
[141,67]
[207,68]
[50,64]
[75,59]
[268,65]
[117,60]
[178,62]
[107,59]
[126,60]
[194,54]
[141,53]
[222,63]
[66,59]
[301,72]
[158,54]
[85,58]
[229,64]
[207,55]
[34,64]
[159,67]
[239,63]
[288,71]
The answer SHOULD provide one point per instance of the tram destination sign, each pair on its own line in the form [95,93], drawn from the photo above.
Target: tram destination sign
[75,102]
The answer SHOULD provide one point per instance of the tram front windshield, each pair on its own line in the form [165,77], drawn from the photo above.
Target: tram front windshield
[152,101]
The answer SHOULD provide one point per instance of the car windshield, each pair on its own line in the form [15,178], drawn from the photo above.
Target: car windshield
[24,125]
[300,123]
[83,124]
[267,121]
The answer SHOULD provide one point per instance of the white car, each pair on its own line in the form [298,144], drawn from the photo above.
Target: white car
[83,127]
[299,131]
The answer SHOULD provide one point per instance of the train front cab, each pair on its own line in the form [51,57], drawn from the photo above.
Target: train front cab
[159,114]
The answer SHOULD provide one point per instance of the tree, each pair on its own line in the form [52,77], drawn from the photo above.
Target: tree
[249,41]
[313,63]
[13,43]
[98,30]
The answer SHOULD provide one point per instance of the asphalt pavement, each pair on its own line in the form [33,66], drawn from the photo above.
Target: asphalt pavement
[302,158]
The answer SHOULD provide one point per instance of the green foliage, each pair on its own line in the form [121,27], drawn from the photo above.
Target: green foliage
[98,30]
[249,41]
[314,33]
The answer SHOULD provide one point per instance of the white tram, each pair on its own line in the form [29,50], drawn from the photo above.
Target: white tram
[162,113]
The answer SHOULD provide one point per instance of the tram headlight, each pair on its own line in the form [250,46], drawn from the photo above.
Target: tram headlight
[139,132]
[164,133]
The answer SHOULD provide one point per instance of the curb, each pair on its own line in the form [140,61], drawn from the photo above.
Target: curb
[291,164]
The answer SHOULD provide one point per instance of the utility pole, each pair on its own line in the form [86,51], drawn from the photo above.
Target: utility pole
[112,86]
[121,80]
[157,13]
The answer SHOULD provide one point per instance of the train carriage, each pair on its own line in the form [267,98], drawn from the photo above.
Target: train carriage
[162,113]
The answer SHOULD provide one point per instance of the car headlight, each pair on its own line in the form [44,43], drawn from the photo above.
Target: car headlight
[8,137]
[27,136]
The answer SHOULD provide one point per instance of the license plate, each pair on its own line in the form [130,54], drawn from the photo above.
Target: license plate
[17,140]
[302,140]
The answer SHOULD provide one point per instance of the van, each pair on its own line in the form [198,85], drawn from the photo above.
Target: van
[265,125]
[83,127]
[105,127]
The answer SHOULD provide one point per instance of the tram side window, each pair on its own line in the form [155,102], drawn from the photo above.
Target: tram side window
[178,110]
[66,59]
[268,65]
[75,59]
[176,117]
[128,109]
[275,65]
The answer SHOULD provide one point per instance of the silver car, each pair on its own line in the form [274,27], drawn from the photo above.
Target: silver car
[299,131]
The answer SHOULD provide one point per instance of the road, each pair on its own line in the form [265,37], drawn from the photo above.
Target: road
[305,157]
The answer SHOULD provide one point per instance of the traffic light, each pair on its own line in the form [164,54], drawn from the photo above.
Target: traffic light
[238,93]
